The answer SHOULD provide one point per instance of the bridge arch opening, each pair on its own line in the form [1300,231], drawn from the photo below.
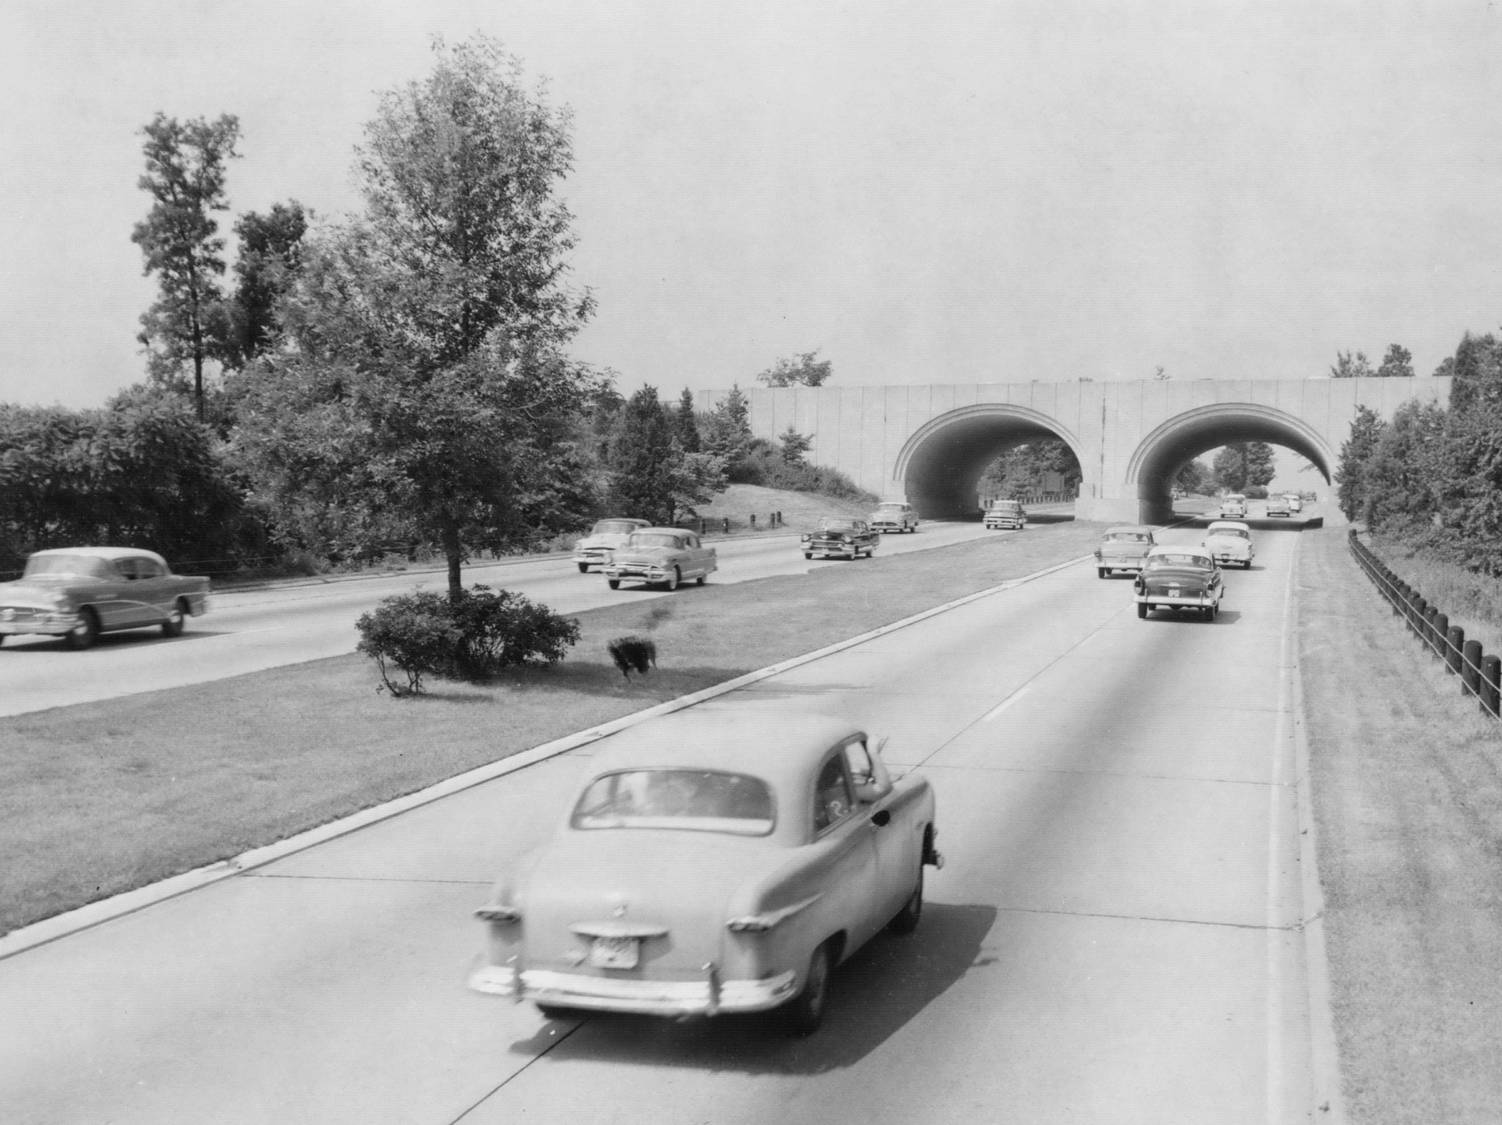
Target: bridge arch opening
[1172,445]
[940,465]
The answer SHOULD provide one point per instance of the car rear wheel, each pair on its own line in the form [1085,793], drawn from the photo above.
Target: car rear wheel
[1141,609]
[905,921]
[808,554]
[613,583]
[173,626]
[86,632]
[583,568]
[1101,572]
[805,1012]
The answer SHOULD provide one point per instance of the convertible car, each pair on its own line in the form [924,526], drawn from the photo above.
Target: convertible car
[1230,541]
[712,865]
[836,538]
[1179,578]
[606,535]
[660,556]
[1123,548]
[79,592]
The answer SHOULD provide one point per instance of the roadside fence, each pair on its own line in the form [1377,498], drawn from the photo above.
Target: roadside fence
[1480,674]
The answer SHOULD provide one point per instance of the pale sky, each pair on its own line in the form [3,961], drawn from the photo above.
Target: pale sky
[924,191]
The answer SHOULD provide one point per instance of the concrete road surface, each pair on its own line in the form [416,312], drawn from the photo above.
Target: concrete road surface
[1116,937]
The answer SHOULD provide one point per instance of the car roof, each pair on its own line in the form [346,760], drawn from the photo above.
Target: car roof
[670,530]
[110,553]
[1182,549]
[779,746]
[1136,528]
[1222,525]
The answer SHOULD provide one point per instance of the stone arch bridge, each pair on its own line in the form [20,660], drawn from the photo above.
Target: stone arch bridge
[931,443]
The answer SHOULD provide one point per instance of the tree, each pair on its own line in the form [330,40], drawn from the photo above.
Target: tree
[804,369]
[1160,375]
[1477,372]
[729,431]
[1193,477]
[651,472]
[686,423]
[1397,363]
[1355,451]
[1351,366]
[1229,467]
[270,254]
[1260,465]
[185,174]
[425,377]
[794,445]
[1401,476]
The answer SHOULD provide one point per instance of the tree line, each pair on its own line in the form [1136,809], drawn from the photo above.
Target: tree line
[395,377]
[1431,476]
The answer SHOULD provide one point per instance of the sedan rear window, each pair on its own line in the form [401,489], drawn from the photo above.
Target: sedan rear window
[696,800]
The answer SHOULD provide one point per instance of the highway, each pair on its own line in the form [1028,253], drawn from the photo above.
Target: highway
[285,623]
[1116,937]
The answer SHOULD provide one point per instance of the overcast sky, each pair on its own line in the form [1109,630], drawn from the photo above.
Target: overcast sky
[927,192]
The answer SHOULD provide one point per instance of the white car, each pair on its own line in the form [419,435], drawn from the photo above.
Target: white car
[1230,543]
[894,515]
[1233,506]
[1295,502]
[604,539]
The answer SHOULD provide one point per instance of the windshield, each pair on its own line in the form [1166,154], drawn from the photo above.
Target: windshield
[614,527]
[832,525]
[889,509]
[1228,533]
[1198,562]
[83,566]
[695,800]
[1128,537]
[657,539]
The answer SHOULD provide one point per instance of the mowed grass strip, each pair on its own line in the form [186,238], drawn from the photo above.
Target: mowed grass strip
[1406,776]
[105,797]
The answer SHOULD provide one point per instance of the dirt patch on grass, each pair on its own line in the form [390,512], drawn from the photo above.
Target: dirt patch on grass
[101,798]
[1408,805]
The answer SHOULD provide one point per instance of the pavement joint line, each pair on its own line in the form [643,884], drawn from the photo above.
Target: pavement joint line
[1262,927]
[129,902]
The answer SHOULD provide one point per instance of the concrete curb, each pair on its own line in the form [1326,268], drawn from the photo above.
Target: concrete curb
[1329,1104]
[128,902]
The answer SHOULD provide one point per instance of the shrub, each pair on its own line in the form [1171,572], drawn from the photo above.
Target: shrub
[427,633]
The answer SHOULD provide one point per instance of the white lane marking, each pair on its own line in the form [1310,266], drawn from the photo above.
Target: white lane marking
[1005,703]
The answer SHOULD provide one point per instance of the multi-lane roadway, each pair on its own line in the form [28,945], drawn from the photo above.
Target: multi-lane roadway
[1117,936]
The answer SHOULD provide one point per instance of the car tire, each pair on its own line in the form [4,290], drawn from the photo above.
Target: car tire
[85,633]
[805,1012]
[905,921]
[674,579]
[1141,609]
[173,626]
[583,568]
[1101,572]
[701,579]
[613,583]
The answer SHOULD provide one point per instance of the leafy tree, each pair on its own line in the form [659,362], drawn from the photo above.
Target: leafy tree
[185,174]
[728,434]
[1401,477]
[652,474]
[1244,464]
[1355,452]
[686,423]
[269,258]
[1194,476]
[1161,375]
[805,369]
[1260,464]
[1477,371]
[794,445]
[1351,366]
[1397,363]
[426,369]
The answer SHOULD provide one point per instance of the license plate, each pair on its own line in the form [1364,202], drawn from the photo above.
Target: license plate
[613,953]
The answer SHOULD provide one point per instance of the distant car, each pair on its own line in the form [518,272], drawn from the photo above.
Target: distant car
[1179,578]
[1233,507]
[606,535]
[660,556]
[1278,506]
[1230,543]
[1123,548]
[1005,513]
[711,866]
[839,538]
[78,593]
[1295,502]
[894,516]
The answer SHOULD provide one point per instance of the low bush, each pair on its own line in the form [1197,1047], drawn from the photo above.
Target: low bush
[471,638]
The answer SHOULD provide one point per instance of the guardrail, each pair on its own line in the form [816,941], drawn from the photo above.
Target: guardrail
[1480,674]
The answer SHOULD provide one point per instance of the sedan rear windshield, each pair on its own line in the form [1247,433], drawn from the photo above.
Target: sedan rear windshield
[1193,561]
[1230,533]
[696,800]
[1128,537]
[640,540]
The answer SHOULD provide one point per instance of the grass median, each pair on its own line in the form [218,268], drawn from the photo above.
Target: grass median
[105,797]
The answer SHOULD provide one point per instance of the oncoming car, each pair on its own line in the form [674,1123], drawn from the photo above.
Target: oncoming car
[894,515]
[660,556]
[839,538]
[1179,578]
[78,593]
[709,866]
[1123,548]
[606,535]
[1230,542]
[1005,513]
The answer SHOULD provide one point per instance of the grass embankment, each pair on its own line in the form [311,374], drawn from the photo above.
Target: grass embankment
[1472,601]
[101,798]
[1408,806]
